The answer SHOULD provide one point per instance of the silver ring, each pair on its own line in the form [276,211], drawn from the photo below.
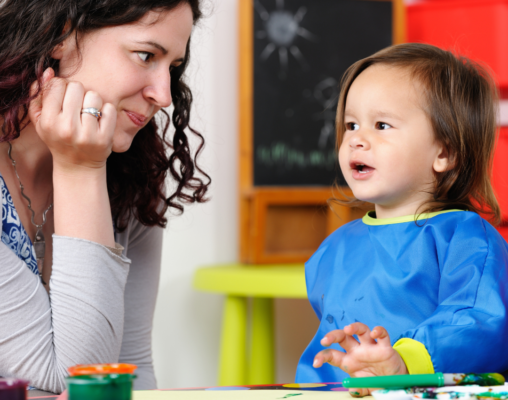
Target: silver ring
[92,111]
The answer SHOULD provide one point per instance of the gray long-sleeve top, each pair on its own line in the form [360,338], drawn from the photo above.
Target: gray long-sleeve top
[99,310]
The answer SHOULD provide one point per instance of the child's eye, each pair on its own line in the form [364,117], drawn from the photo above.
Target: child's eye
[351,126]
[144,55]
[382,126]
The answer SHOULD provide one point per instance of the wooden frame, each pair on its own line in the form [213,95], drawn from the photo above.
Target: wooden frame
[255,202]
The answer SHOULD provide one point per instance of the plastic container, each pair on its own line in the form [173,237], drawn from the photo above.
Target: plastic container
[101,381]
[477,29]
[100,387]
[13,389]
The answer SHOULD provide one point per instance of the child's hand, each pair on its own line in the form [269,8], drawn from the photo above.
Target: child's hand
[372,355]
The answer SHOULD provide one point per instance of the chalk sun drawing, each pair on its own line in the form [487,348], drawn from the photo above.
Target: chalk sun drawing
[281,29]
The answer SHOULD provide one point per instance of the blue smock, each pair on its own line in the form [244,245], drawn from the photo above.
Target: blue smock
[442,282]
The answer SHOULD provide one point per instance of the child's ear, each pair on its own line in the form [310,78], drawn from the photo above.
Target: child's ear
[444,160]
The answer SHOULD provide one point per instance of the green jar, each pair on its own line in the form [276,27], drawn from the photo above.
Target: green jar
[100,387]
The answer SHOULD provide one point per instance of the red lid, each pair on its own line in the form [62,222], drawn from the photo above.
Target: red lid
[101,369]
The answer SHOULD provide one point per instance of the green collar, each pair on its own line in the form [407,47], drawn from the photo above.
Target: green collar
[369,220]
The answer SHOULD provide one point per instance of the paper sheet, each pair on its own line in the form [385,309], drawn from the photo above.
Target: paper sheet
[240,395]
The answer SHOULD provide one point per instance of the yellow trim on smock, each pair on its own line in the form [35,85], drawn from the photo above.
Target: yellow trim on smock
[369,220]
[415,355]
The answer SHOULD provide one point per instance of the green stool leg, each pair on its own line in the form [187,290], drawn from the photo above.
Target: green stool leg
[261,368]
[232,364]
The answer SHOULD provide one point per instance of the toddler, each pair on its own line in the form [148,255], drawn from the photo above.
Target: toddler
[420,285]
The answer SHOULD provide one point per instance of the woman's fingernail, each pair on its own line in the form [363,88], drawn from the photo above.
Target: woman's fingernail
[315,363]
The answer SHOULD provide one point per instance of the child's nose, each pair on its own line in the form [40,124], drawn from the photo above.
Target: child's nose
[359,141]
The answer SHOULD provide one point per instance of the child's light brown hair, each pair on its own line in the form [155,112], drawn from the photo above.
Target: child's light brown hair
[460,99]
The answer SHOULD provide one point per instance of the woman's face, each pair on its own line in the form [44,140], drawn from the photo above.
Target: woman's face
[129,66]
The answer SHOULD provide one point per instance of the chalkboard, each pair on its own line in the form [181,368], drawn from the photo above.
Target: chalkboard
[301,50]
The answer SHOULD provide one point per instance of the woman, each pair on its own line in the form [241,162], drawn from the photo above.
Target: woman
[80,84]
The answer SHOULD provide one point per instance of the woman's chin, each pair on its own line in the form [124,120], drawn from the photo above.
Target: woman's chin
[121,142]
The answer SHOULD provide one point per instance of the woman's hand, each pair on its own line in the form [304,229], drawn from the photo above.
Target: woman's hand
[371,355]
[75,140]
[80,145]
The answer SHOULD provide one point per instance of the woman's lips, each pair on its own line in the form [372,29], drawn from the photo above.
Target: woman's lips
[137,119]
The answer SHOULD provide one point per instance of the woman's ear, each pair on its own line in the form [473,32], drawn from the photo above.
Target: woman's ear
[444,160]
[58,51]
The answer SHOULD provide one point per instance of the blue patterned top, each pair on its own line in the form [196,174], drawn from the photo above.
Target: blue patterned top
[13,233]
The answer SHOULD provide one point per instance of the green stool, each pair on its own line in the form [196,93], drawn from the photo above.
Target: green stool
[262,283]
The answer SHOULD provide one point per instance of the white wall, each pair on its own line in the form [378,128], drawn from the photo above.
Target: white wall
[187,323]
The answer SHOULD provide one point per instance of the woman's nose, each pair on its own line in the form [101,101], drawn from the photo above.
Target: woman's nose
[159,90]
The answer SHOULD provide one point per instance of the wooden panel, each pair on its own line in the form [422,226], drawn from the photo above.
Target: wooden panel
[269,215]
[288,225]
[246,71]
[399,18]
[295,228]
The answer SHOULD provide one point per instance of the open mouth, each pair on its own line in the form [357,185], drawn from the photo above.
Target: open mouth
[361,168]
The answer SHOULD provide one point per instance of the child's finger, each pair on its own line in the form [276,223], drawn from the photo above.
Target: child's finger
[331,356]
[333,337]
[360,330]
[381,335]
[338,336]
[359,392]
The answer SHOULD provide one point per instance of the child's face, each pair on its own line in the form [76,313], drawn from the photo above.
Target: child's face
[388,154]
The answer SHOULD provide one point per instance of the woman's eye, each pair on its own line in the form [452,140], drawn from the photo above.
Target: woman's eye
[351,126]
[144,55]
[382,126]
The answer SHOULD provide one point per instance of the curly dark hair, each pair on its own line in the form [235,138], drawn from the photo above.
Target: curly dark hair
[30,30]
